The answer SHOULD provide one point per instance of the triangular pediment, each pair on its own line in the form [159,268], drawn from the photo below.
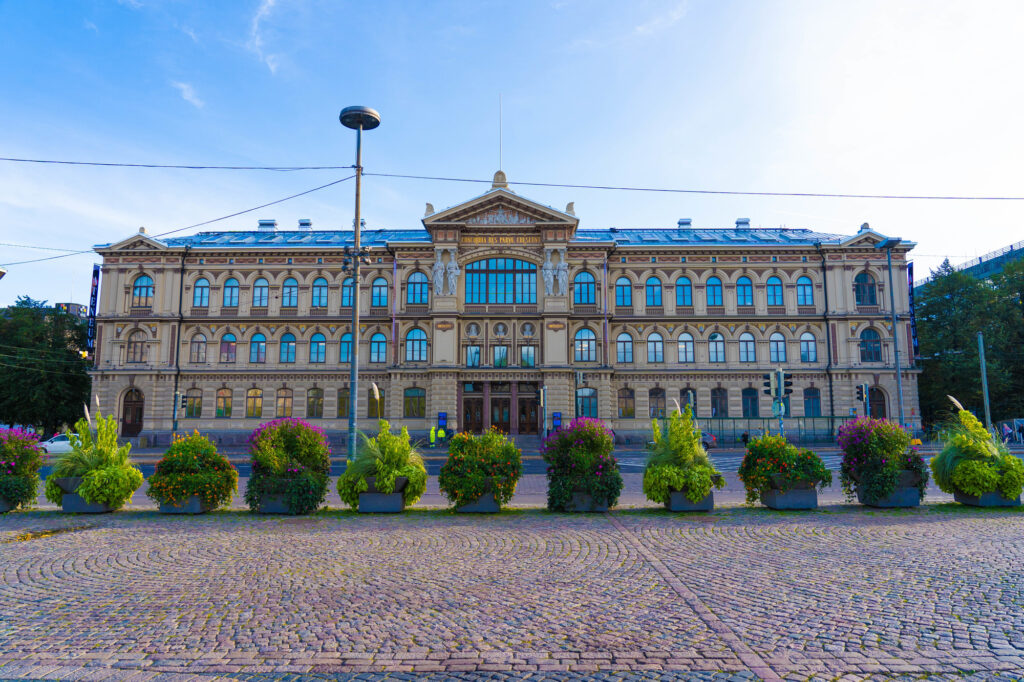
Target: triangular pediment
[137,242]
[500,207]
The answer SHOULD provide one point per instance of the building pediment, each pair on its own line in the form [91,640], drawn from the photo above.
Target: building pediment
[137,242]
[500,207]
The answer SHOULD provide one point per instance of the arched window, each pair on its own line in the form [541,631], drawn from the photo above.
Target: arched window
[201,293]
[347,290]
[254,403]
[773,287]
[655,348]
[414,403]
[345,348]
[197,349]
[284,403]
[416,289]
[228,347]
[416,346]
[142,292]
[290,293]
[656,403]
[287,353]
[808,347]
[258,349]
[719,403]
[343,403]
[716,348]
[627,404]
[585,346]
[623,292]
[804,291]
[378,348]
[318,348]
[501,280]
[223,403]
[876,402]
[653,289]
[583,289]
[812,402]
[375,404]
[137,347]
[688,396]
[230,299]
[586,402]
[319,293]
[864,289]
[193,403]
[684,292]
[870,346]
[685,347]
[748,396]
[624,348]
[315,403]
[744,291]
[748,348]
[714,291]
[777,348]
[260,293]
[379,293]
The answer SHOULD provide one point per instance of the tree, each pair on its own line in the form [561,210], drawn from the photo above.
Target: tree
[43,379]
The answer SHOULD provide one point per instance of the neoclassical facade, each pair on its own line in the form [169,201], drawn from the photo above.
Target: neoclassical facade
[491,300]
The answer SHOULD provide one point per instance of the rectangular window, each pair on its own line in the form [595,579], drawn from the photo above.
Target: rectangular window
[284,404]
[415,403]
[472,356]
[254,404]
[224,404]
[501,356]
[527,356]
[812,402]
[750,406]
[194,406]
[343,403]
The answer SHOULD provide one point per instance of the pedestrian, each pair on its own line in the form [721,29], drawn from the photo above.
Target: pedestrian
[440,435]
[433,435]
[1007,432]
[745,438]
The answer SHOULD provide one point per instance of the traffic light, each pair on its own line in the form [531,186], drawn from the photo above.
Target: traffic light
[786,383]
[182,400]
[769,383]
[862,392]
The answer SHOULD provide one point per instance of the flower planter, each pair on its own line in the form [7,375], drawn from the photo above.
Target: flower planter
[906,493]
[584,502]
[72,503]
[274,504]
[679,502]
[375,502]
[486,504]
[990,499]
[798,495]
[190,505]
[5,506]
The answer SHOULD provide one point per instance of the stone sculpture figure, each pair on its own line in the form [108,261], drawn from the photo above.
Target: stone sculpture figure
[453,271]
[438,275]
[548,272]
[562,272]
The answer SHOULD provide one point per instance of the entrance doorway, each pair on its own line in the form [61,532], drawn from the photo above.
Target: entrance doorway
[131,413]
[528,415]
[500,413]
[876,402]
[473,414]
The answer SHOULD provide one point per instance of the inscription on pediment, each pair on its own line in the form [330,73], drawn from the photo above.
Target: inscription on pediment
[501,216]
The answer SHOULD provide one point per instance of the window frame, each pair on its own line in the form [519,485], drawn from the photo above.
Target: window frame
[871,346]
[777,348]
[527,356]
[652,292]
[804,291]
[290,293]
[744,292]
[284,403]
[808,347]
[655,349]
[319,293]
[193,403]
[229,297]
[417,289]
[345,348]
[748,348]
[774,294]
[623,292]
[315,403]
[201,293]
[586,402]
[502,281]
[378,348]
[197,348]
[584,345]
[254,403]
[317,349]
[224,400]
[865,289]
[258,349]
[143,292]
[286,349]
[624,348]
[228,349]
[716,348]
[584,289]
[416,348]
[656,403]
[379,293]
[685,350]
[260,293]
[713,295]
[626,403]
[414,403]
[684,292]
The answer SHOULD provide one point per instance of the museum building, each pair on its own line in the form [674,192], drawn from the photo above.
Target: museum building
[487,305]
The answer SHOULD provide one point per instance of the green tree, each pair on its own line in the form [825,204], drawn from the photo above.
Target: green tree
[1009,288]
[43,379]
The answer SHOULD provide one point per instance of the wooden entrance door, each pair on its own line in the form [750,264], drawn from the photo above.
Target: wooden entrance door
[473,414]
[500,413]
[131,413]
[528,415]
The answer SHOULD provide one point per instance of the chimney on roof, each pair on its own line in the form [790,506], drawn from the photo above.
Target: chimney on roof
[305,224]
[864,228]
[743,223]
[684,223]
[267,225]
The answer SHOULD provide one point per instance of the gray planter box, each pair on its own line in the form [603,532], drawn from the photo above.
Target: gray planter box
[679,502]
[68,484]
[193,505]
[5,506]
[992,499]
[584,502]
[905,495]
[72,503]
[274,504]
[794,498]
[485,505]
[376,502]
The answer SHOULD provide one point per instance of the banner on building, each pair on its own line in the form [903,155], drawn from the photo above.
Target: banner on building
[90,339]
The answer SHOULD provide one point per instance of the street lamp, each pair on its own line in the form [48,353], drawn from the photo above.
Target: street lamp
[888,243]
[359,119]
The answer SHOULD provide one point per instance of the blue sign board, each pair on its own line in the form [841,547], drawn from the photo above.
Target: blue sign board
[556,420]
[442,420]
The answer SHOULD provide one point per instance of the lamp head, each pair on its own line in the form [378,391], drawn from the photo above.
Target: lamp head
[359,117]
[888,243]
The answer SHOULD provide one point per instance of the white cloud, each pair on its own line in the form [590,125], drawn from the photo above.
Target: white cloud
[188,93]
[255,43]
[134,4]
[662,21]
[91,26]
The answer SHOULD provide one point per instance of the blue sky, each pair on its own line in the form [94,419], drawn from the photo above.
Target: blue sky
[862,97]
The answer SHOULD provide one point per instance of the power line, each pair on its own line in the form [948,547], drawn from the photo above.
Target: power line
[164,165]
[38,350]
[38,248]
[189,227]
[33,369]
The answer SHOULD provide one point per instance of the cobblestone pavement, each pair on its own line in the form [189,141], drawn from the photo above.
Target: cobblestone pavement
[738,594]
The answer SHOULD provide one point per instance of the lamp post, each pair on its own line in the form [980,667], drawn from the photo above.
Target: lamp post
[888,245]
[358,119]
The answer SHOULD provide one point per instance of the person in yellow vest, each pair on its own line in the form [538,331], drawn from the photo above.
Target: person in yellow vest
[433,435]
[440,435]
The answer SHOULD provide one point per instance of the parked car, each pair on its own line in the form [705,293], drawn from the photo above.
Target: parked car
[709,441]
[58,444]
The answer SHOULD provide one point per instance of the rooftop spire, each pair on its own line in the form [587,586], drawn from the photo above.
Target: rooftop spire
[500,181]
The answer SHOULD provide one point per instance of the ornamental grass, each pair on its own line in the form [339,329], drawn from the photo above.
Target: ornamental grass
[678,461]
[388,457]
[108,476]
[974,462]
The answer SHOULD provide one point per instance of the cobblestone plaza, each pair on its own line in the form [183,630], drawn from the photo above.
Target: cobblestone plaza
[636,593]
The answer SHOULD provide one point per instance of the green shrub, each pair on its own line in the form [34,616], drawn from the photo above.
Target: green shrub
[478,465]
[108,476]
[192,466]
[20,459]
[875,451]
[290,458]
[580,459]
[387,456]
[678,461]
[773,462]
[975,462]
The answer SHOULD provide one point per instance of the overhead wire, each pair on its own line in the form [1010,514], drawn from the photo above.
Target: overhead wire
[168,165]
